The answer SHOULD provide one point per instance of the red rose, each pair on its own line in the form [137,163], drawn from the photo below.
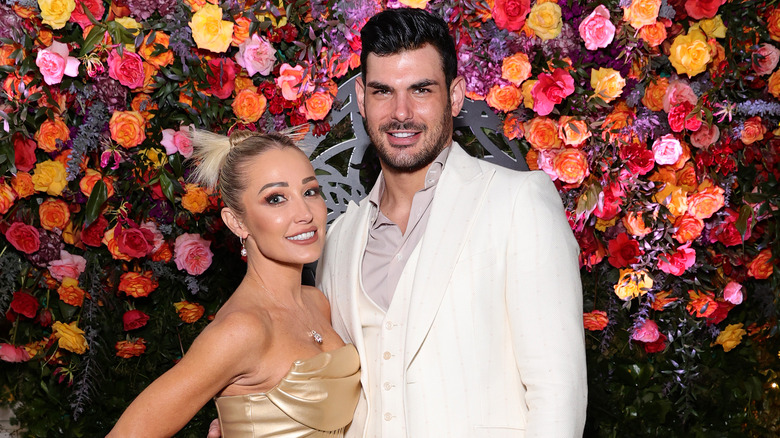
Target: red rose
[657,346]
[510,14]
[95,7]
[135,242]
[25,304]
[23,237]
[133,319]
[638,158]
[93,234]
[698,9]
[623,251]
[221,76]
[721,312]
[551,90]
[24,153]
[44,318]
[678,118]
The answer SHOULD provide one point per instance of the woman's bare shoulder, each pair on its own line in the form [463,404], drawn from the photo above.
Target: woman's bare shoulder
[318,298]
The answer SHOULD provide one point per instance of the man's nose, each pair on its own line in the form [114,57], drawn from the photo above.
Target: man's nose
[402,108]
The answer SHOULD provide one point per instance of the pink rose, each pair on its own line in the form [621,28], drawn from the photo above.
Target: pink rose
[550,90]
[69,265]
[678,92]
[127,68]
[679,261]
[256,55]
[679,120]
[646,332]
[95,8]
[546,162]
[134,242]
[192,254]
[23,237]
[667,149]
[765,59]
[177,141]
[596,29]
[705,136]
[157,237]
[54,62]
[733,292]
[12,353]
[290,81]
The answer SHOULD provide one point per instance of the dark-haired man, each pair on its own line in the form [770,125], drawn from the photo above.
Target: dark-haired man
[457,280]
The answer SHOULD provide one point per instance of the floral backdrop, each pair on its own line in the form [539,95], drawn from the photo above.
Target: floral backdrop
[657,119]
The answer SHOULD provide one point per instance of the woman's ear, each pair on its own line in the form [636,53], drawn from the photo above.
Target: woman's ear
[230,219]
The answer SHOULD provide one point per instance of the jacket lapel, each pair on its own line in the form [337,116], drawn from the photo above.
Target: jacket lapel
[459,195]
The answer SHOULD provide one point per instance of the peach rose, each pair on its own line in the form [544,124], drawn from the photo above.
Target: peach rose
[632,284]
[730,337]
[136,284]
[773,84]
[23,185]
[698,9]
[92,176]
[773,24]
[596,30]
[545,20]
[542,133]
[706,202]
[753,130]
[690,53]
[654,94]
[189,312]
[209,30]
[195,198]
[128,349]
[49,176]
[761,266]
[54,213]
[49,132]
[654,34]
[635,224]
[318,105]
[688,228]
[607,83]
[192,253]
[516,68]
[504,98]
[765,59]
[418,4]
[248,106]
[641,13]
[571,166]
[127,128]
[7,197]
[705,136]
[595,321]
[70,292]
[159,44]
[573,132]
[290,81]
[686,178]
[732,293]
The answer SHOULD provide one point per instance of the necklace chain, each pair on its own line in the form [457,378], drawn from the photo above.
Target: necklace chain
[312,333]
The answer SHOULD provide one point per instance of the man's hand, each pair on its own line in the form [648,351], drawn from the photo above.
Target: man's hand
[214,430]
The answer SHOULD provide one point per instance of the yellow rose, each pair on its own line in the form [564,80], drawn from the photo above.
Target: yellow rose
[607,83]
[545,20]
[713,27]
[632,284]
[49,176]
[674,198]
[133,26]
[56,13]
[419,4]
[690,53]
[528,98]
[730,337]
[642,13]
[70,337]
[209,30]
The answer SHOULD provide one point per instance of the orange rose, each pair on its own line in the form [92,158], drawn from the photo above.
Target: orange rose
[7,197]
[753,130]
[701,305]
[513,127]
[619,118]
[595,320]
[773,24]
[49,132]
[54,213]
[128,349]
[5,54]
[688,228]
[527,88]
[642,13]
[163,254]
[654,94]
[673,198]
[632,284]
[196,198]
[70,292]
[144,104]
[532,159]
[91,177]
[318,105]
[150,72]
[23,184]
[662,300]
[542,133]
[243,82]
[504,98]
[516,68]
[706,202]
[113,246]
[189,312]
[248,105]
[653,34]
[572,131]
[185,97]
[158,45]
[127,128]
[136,284]
[686,178]
[635,224]
[72,235]
[240,30]
[773,85]
[571,166]
[761,266]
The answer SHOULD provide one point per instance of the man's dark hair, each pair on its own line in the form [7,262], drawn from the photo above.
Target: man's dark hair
[396,30]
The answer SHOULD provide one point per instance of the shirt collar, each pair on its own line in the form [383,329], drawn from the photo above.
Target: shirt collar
[431,177]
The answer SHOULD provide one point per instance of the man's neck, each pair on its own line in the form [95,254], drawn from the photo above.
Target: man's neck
[400,188]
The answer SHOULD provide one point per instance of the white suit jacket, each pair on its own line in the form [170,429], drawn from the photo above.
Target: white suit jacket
[494,344]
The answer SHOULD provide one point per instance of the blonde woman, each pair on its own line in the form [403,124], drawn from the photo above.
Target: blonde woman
[270,358]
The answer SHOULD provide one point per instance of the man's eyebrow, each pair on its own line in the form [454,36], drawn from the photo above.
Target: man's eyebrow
[378,85]
[424,83]
[273,184]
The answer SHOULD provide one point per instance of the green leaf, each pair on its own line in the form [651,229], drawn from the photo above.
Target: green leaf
[95,203]
[170,186]
[745,213]
[95,35]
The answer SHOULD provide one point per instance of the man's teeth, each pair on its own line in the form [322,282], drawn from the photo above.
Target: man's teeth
[303,236]
[402,134]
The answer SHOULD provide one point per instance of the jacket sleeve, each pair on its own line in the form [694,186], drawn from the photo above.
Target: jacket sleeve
[544,306]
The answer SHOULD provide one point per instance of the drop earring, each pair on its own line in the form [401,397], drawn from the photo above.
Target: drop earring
[243,247]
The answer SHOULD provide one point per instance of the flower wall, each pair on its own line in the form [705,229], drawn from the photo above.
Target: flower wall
[658,121]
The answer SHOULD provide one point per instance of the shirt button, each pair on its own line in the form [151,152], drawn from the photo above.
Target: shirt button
[388,386]
[389,325]
[387,355]
[388,416]
[398,257]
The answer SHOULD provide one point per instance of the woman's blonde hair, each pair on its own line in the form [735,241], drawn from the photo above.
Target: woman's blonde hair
[220,161]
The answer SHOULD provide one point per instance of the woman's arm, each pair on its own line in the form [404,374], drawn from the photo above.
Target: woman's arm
[219,355]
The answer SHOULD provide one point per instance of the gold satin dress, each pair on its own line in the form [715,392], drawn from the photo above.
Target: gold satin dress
[316,398]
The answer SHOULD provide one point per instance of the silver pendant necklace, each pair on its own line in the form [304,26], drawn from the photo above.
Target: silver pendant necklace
[312,333]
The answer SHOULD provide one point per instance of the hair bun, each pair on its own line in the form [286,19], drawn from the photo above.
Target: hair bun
[239,135]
